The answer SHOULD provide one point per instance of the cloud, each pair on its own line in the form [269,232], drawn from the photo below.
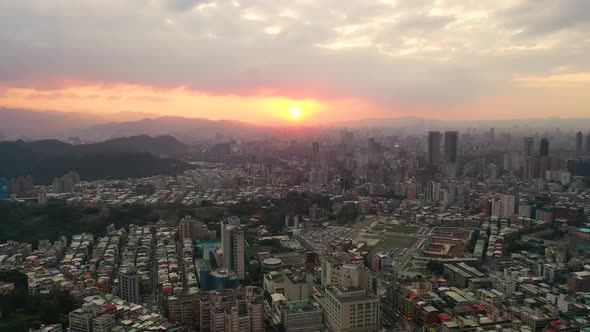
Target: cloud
[397,54]
[534,18]
[181,5]
[561,80]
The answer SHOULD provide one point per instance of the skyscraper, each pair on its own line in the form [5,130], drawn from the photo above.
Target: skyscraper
[451,151]
[544,147]
[315,157]
[433,147]
[451,146]
[232,244]
[129,285]
[529,143]
[587,145]
[579,142]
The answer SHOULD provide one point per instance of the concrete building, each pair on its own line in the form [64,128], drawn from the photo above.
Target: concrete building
[103,323]
[189,228]
[232,244]
[351,309]
[129,285]
[579,281]
[302,316]
[509,205]
[81,320]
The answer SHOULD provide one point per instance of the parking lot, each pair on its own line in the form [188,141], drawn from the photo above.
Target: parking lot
[319,237]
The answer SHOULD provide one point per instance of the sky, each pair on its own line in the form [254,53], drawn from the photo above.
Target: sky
[299,61]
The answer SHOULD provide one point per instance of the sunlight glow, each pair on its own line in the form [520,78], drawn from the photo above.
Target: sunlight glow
[295,112]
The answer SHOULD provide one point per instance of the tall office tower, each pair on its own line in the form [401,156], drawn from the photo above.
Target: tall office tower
[509,205]
[129,285]
[587,145]
[315,157]
[232,244]
[451,152]
[544,147]
[529,143]
[579,142]
[433,147]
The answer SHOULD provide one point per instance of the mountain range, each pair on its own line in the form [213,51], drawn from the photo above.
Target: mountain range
[128,157]
[82,127]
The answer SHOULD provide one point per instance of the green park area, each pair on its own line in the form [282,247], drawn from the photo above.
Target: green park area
[392,240]
[395,228]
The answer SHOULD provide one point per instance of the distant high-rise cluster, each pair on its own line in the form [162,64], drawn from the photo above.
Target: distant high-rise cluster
[21,186]
[67,183]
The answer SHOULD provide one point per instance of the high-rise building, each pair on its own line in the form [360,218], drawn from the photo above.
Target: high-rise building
[512,161]
[129,285]
[509,205]
[451,152]
[231,311]
[189,228]
[351,309]
[318,178]
[347,139]
[232,244]
[184,309]
[433,147]
[22,186]
[374,151]
[579,142]
[315,156]
[544,147]
[529,144]
[451,146]
[492,171]
[184,228]
[42,197]
[587,145]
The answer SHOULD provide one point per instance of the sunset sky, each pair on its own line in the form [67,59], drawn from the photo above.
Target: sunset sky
[302,61]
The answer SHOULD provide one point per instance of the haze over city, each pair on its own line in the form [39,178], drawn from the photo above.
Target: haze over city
[257,61]
[294,166]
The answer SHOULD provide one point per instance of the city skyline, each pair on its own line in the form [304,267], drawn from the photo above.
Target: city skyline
[298,62]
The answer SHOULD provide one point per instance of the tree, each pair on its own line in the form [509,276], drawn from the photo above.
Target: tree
[436,267]
[17,278]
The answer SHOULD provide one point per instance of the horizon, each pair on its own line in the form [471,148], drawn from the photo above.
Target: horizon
[299,62]
[140,116]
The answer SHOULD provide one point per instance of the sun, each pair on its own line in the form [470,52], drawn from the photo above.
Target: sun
[294,112]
